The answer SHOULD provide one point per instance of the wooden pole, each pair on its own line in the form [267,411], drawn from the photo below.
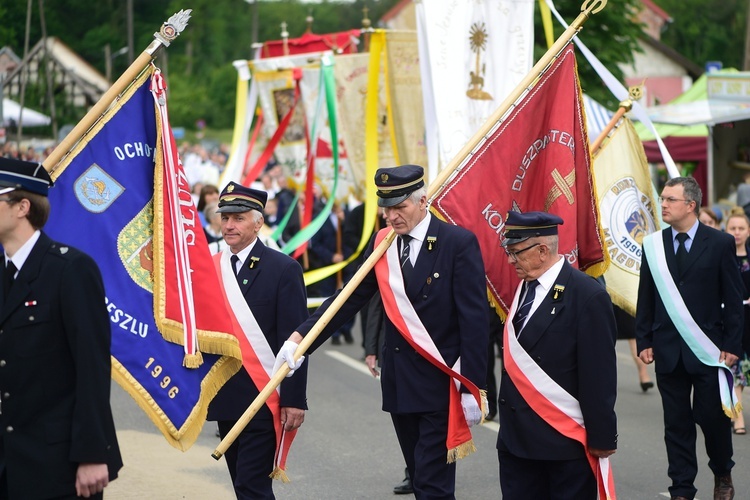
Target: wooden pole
[48,71]
[24,74]
[589,7]
[615,118]
[170,30]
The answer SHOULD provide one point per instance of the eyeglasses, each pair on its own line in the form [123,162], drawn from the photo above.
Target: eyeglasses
[671,200]
[514,255]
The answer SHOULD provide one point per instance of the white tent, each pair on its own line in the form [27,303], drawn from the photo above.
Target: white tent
[31,118]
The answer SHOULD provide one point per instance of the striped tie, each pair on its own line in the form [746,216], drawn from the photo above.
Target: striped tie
[523,311]
[406,265]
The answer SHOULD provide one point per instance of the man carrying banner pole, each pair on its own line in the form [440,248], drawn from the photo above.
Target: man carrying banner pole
[265,291]
[55,369]
[436,333]
[559,383]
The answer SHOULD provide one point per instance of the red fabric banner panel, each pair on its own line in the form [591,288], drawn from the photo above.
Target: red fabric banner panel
[537,159]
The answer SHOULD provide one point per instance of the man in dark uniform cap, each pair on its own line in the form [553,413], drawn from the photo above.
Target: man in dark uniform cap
[266,285]
[562,321]
[444,282]
[55,418]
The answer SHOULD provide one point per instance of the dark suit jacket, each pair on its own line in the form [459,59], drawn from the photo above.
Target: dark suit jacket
[447,289]
[572,338]
[55,372]
[275,292]
[712,278]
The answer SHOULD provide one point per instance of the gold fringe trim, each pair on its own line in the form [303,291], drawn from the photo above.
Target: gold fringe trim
[461,451]
[193,360]
[733,413]
[184,437]
[280,475]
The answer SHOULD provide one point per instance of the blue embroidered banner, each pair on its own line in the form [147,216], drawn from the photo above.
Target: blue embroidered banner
[103,203]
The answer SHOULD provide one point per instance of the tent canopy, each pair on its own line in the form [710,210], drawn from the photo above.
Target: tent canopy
[31,118]
[715,98]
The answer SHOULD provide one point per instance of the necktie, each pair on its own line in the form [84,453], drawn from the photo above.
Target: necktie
[682,253]
[8,277]
[234,260]
[523,311]
[406,266]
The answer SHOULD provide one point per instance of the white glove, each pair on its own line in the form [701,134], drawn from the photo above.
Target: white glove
[472,412]
[286,355]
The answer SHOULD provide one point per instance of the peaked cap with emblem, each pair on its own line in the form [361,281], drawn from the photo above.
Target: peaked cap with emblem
[236,198]
[395,184]
[25,175]
[522,226]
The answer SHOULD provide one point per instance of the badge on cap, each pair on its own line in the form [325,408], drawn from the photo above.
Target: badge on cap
[384,177]
[230,188]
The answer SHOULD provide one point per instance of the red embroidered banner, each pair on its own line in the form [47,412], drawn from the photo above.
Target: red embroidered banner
[536,159]
[185,282]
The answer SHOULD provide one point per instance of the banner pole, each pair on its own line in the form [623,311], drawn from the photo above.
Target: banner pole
[624,108]
[170,30]
[589,7]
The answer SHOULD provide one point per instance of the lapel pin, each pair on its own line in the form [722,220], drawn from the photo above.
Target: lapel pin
[431,240]
[253,261]
[553,310]
[63,250]
[244,282]
[30,303]
[559,289]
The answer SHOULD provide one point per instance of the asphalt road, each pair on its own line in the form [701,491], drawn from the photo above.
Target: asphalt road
[347,448]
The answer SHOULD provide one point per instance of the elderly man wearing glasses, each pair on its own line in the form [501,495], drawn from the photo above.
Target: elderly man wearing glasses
[558,352]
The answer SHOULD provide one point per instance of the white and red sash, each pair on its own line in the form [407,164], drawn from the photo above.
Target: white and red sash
[257,356]
[401,312]
[550,401]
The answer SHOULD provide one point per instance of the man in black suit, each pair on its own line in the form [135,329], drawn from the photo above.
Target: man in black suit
[266,292]
[57,435]
[560,337]
[442,281]
[700,263]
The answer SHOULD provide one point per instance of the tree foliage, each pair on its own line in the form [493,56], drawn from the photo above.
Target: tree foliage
[707,30]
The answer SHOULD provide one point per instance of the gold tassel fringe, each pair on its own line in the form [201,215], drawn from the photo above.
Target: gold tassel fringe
[193,360]
[280,475]
[461,451]
[733,412]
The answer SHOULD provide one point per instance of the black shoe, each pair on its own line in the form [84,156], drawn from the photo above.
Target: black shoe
[348,338]
[723,487]
[335,341]
[490,416]
[405,487]
[646,386]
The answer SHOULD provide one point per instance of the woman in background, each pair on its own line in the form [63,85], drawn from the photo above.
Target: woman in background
[738,226]
[709,218]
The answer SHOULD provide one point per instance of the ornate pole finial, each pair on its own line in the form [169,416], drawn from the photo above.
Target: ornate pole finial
[285,37]
[366,27]
[309,20]
[172,27]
